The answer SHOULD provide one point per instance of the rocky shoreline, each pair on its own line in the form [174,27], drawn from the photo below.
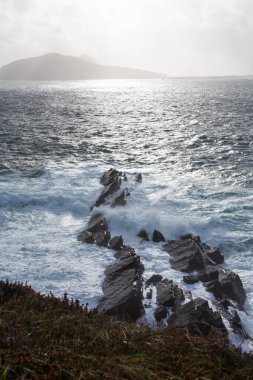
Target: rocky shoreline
[124,290]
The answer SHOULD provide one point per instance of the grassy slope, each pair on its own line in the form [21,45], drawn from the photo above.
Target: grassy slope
[42,337]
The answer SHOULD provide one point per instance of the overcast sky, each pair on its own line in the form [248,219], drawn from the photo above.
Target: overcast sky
[177,37]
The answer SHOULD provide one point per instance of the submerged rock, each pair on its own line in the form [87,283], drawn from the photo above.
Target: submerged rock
[138,177]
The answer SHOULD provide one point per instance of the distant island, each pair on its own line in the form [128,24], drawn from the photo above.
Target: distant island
[63,67]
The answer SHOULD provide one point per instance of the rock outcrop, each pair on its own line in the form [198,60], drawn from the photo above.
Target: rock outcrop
[189,254]
[122,286]
[96,232]
[143,235]
[123,283]
[198,318]
[157,237]
[168,294]
[195,315]
[186,255]
[122,289]
[227,285]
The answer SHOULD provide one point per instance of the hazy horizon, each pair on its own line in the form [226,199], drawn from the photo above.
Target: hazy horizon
[177,38]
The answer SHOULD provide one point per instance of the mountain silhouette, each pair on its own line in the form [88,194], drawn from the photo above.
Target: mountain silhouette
[63,67]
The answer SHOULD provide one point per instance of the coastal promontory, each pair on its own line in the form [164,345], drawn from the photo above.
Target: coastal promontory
[63,67]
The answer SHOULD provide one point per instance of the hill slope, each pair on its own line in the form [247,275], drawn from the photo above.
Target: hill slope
[43,337]
[61,67]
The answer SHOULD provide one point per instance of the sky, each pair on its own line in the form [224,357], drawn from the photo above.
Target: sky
[175,37]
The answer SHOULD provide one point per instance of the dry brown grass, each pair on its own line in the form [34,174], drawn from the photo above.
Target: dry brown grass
[43,337]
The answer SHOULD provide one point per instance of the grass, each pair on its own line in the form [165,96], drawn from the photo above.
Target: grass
[43,337]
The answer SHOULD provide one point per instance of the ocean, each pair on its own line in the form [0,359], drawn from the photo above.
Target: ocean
[192,140]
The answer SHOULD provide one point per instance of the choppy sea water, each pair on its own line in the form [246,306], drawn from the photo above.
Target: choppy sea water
[191,139]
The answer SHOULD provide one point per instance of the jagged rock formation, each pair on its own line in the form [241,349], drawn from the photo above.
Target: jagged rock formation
[143,235]
[122,287]
[198,317]
[189,254]
[154,280]
[123,284]
[96,232]
[157,237]
[168,294]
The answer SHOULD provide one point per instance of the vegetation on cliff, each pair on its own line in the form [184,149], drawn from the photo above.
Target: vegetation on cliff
[43,337]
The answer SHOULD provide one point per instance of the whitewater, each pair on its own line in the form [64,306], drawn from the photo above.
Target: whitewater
[192,140]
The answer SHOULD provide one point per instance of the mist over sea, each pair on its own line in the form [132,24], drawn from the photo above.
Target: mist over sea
[192,140]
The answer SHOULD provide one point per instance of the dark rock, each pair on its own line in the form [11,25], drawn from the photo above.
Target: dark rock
[225,303]
[119,200]
[112,181]
[186,255]
[236,325]
[210,273]
[110,176]
[149,294]
[169,294]
[212,255]
[157,236]
[228,284]
[154,280]
[138,177]
[226,309]
[97,231]
[191,279]
[196,238]
[131,262]
[123,296]
[215,256]
[122,289]
[116,243]
[160,313]
[143,234]
[198,318]
[109,190]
